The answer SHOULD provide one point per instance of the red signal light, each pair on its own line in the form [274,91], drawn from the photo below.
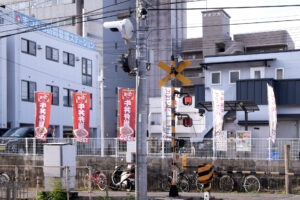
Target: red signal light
[187,122]
[187,100]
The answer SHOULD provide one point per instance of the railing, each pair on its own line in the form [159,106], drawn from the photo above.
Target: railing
[257,149]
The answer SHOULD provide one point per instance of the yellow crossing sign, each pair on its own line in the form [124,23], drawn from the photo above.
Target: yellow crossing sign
[177,74]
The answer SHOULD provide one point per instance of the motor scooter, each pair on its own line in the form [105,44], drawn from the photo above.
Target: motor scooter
[123,178]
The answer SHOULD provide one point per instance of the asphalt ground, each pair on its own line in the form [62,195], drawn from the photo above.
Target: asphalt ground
[186,196]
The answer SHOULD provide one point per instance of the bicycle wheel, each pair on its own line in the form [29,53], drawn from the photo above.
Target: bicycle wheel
[251,184]
[226,183]
[166,182]
[199,185]
[184,185]
[101,181]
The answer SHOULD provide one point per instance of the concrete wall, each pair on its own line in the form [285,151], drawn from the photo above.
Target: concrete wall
[114,76]
[3,84]
[161,40]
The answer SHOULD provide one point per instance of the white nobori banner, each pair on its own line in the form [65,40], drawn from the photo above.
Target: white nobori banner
[166,111]
[272,112]
[220,137]
[218,109]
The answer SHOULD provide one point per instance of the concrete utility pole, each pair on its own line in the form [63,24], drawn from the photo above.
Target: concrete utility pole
[141,120]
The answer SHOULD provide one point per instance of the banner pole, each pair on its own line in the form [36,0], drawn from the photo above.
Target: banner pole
[269,148]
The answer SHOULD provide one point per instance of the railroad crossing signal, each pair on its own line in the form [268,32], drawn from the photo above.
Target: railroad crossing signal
[177,74]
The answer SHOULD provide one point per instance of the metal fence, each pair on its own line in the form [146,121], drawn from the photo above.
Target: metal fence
[256,149]
[14,190]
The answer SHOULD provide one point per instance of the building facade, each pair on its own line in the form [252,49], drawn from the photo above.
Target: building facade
[237,58]
[245,77]
[155,120]
[41,61]
[162,42]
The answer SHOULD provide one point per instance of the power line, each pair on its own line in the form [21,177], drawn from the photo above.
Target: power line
[45,26]
[234,24]
[224,8]
[78,16]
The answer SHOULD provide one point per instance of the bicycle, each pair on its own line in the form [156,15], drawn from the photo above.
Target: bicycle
[249,183]
[98,179]
[194,181]
[183,182]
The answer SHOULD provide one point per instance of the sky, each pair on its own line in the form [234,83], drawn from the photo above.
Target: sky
[194,17]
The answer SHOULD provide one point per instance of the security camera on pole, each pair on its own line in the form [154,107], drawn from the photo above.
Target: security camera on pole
[124,26]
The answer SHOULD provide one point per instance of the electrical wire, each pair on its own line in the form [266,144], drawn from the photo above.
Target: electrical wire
[226,8]
[87,14]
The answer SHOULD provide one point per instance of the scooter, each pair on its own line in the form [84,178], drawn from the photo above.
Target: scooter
[123,178]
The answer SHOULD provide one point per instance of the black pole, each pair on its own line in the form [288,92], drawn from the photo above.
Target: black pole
[246,120]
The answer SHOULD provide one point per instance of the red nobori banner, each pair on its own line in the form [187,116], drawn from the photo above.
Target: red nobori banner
[126,114]
[42,114]
[81,116]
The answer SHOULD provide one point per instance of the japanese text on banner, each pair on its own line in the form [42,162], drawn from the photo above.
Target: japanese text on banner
[42,114]
[166,112]
[81,116]
[126,114]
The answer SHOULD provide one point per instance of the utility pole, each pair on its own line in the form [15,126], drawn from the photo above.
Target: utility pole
[141,119]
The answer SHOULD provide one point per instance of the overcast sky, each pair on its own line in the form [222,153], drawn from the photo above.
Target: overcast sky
[250,15]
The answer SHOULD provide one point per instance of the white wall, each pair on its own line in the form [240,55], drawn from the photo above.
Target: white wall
[45,72]
[289,61]
[3,84]
[181,131]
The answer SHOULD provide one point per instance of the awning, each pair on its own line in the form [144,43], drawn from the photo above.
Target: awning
[248,106]
[265,60]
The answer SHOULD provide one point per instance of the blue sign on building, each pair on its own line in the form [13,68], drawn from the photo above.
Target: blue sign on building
[54,31]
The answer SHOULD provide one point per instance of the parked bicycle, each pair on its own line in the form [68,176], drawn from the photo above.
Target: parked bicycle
[194,182]
[249,183]
[97,179]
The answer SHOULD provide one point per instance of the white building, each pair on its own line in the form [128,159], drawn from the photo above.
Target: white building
[155,119]
[47,60]
[245,77]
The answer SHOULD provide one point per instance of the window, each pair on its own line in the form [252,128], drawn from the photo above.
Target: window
[91,100]
[155,119]
[28,46]
[68,97]
[86,72]
[27,90]
[68,58]
[52,54]
[215,78]
[279,73]
[234,76]
[257,72]
[220,47]
[55,94]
